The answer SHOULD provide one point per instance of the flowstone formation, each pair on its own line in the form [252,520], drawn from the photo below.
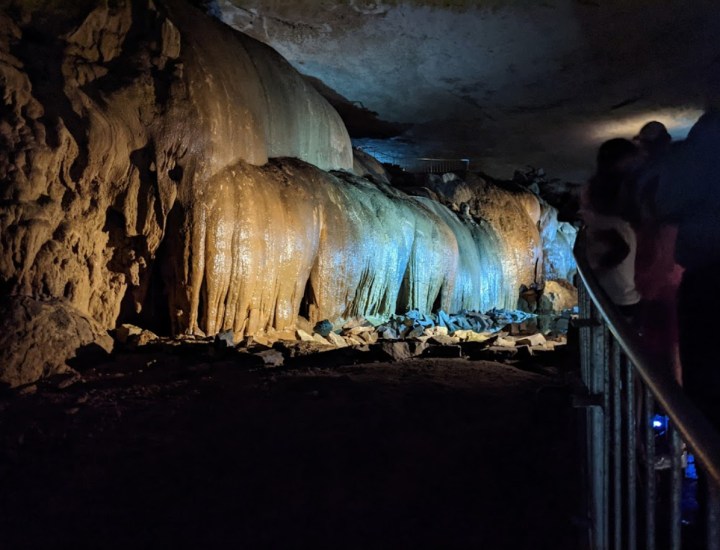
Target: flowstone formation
[160,168]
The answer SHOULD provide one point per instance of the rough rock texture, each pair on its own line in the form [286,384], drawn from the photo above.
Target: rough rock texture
[504,83]
[136,186]
[558,296]
[106,124]
[508,219]
[38,338]
[113,116]
[365,164]
[287,238]
[558,240]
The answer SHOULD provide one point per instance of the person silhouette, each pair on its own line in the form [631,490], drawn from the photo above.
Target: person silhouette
[688,195]
[612,242]
[657,274]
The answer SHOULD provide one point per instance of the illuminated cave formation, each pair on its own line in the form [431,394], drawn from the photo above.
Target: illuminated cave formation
[152,167]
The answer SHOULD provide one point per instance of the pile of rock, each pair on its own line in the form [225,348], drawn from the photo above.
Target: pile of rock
[414,323]
[495,334]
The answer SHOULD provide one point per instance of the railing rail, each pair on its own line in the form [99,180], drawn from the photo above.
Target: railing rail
[622,381]
[436,165]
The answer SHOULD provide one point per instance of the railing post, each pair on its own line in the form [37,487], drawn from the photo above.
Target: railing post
[675,489]
[617,446]
[650,491]
[713,516]
[601,317]
[631,426]
[604,336]
[595,376]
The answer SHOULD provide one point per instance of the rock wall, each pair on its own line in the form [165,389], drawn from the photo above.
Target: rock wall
[365,164]
[508,218]
[112,115]
[269,242]
[156,165]
[45,335]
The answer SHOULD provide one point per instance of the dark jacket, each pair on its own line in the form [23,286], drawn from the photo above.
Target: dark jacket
[688,193]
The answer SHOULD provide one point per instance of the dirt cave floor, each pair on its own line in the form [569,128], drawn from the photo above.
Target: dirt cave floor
[185,452]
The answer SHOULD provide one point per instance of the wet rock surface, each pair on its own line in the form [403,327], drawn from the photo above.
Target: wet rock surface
[183,445]
[162,170]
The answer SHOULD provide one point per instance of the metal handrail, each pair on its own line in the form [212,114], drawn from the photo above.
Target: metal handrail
[694,427]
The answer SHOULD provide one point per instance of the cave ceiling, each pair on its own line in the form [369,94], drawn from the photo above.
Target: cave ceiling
[505,84]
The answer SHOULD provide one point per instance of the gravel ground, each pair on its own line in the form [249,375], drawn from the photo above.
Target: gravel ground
[163,451]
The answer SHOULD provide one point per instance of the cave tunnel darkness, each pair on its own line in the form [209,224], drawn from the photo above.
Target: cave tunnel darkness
[301,274]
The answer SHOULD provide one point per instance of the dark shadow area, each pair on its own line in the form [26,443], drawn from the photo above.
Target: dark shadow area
[42,57]
[155,314]
[88,356]
[307,300]
[360,121]
[193,452]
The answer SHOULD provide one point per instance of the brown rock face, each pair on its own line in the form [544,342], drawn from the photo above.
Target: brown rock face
[110,118]
[558,296]
[507,221]
[161,169]
[38,338]
[105,125]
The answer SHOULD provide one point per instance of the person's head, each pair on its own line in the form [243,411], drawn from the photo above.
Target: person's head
[653,139]
[617,161]
[617,158]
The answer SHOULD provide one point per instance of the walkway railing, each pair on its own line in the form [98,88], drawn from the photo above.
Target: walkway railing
[630,504]
[435,166]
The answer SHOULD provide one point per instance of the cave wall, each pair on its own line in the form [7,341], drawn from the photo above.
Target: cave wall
[110,117]
[155,162]
[287,237]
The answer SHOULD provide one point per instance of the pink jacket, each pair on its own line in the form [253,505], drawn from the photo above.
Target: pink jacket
[657,275]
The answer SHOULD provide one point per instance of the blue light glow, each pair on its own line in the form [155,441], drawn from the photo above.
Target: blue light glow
[660,423]
[690,470]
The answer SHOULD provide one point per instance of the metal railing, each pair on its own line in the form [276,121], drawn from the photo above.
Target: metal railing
[435,166]
[417,165]
[625,389]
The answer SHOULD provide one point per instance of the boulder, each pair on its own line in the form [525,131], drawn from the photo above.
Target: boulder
[145,337]
[531,340]
[444,340]
[337,340]
[125,331]
[558,296]
[436,331]
[304,336]
[323,328]
[225,340]
[387,333]
[472,336]
[37,339]
[272,358]
[320,340]
[505,342]
[400,351]
[354,341]
[265,340]
[369,337]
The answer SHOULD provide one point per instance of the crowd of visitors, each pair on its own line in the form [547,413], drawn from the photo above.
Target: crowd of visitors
[652,216]
[630,247]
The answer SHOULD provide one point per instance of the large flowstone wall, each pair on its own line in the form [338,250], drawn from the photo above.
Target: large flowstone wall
[156,165]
